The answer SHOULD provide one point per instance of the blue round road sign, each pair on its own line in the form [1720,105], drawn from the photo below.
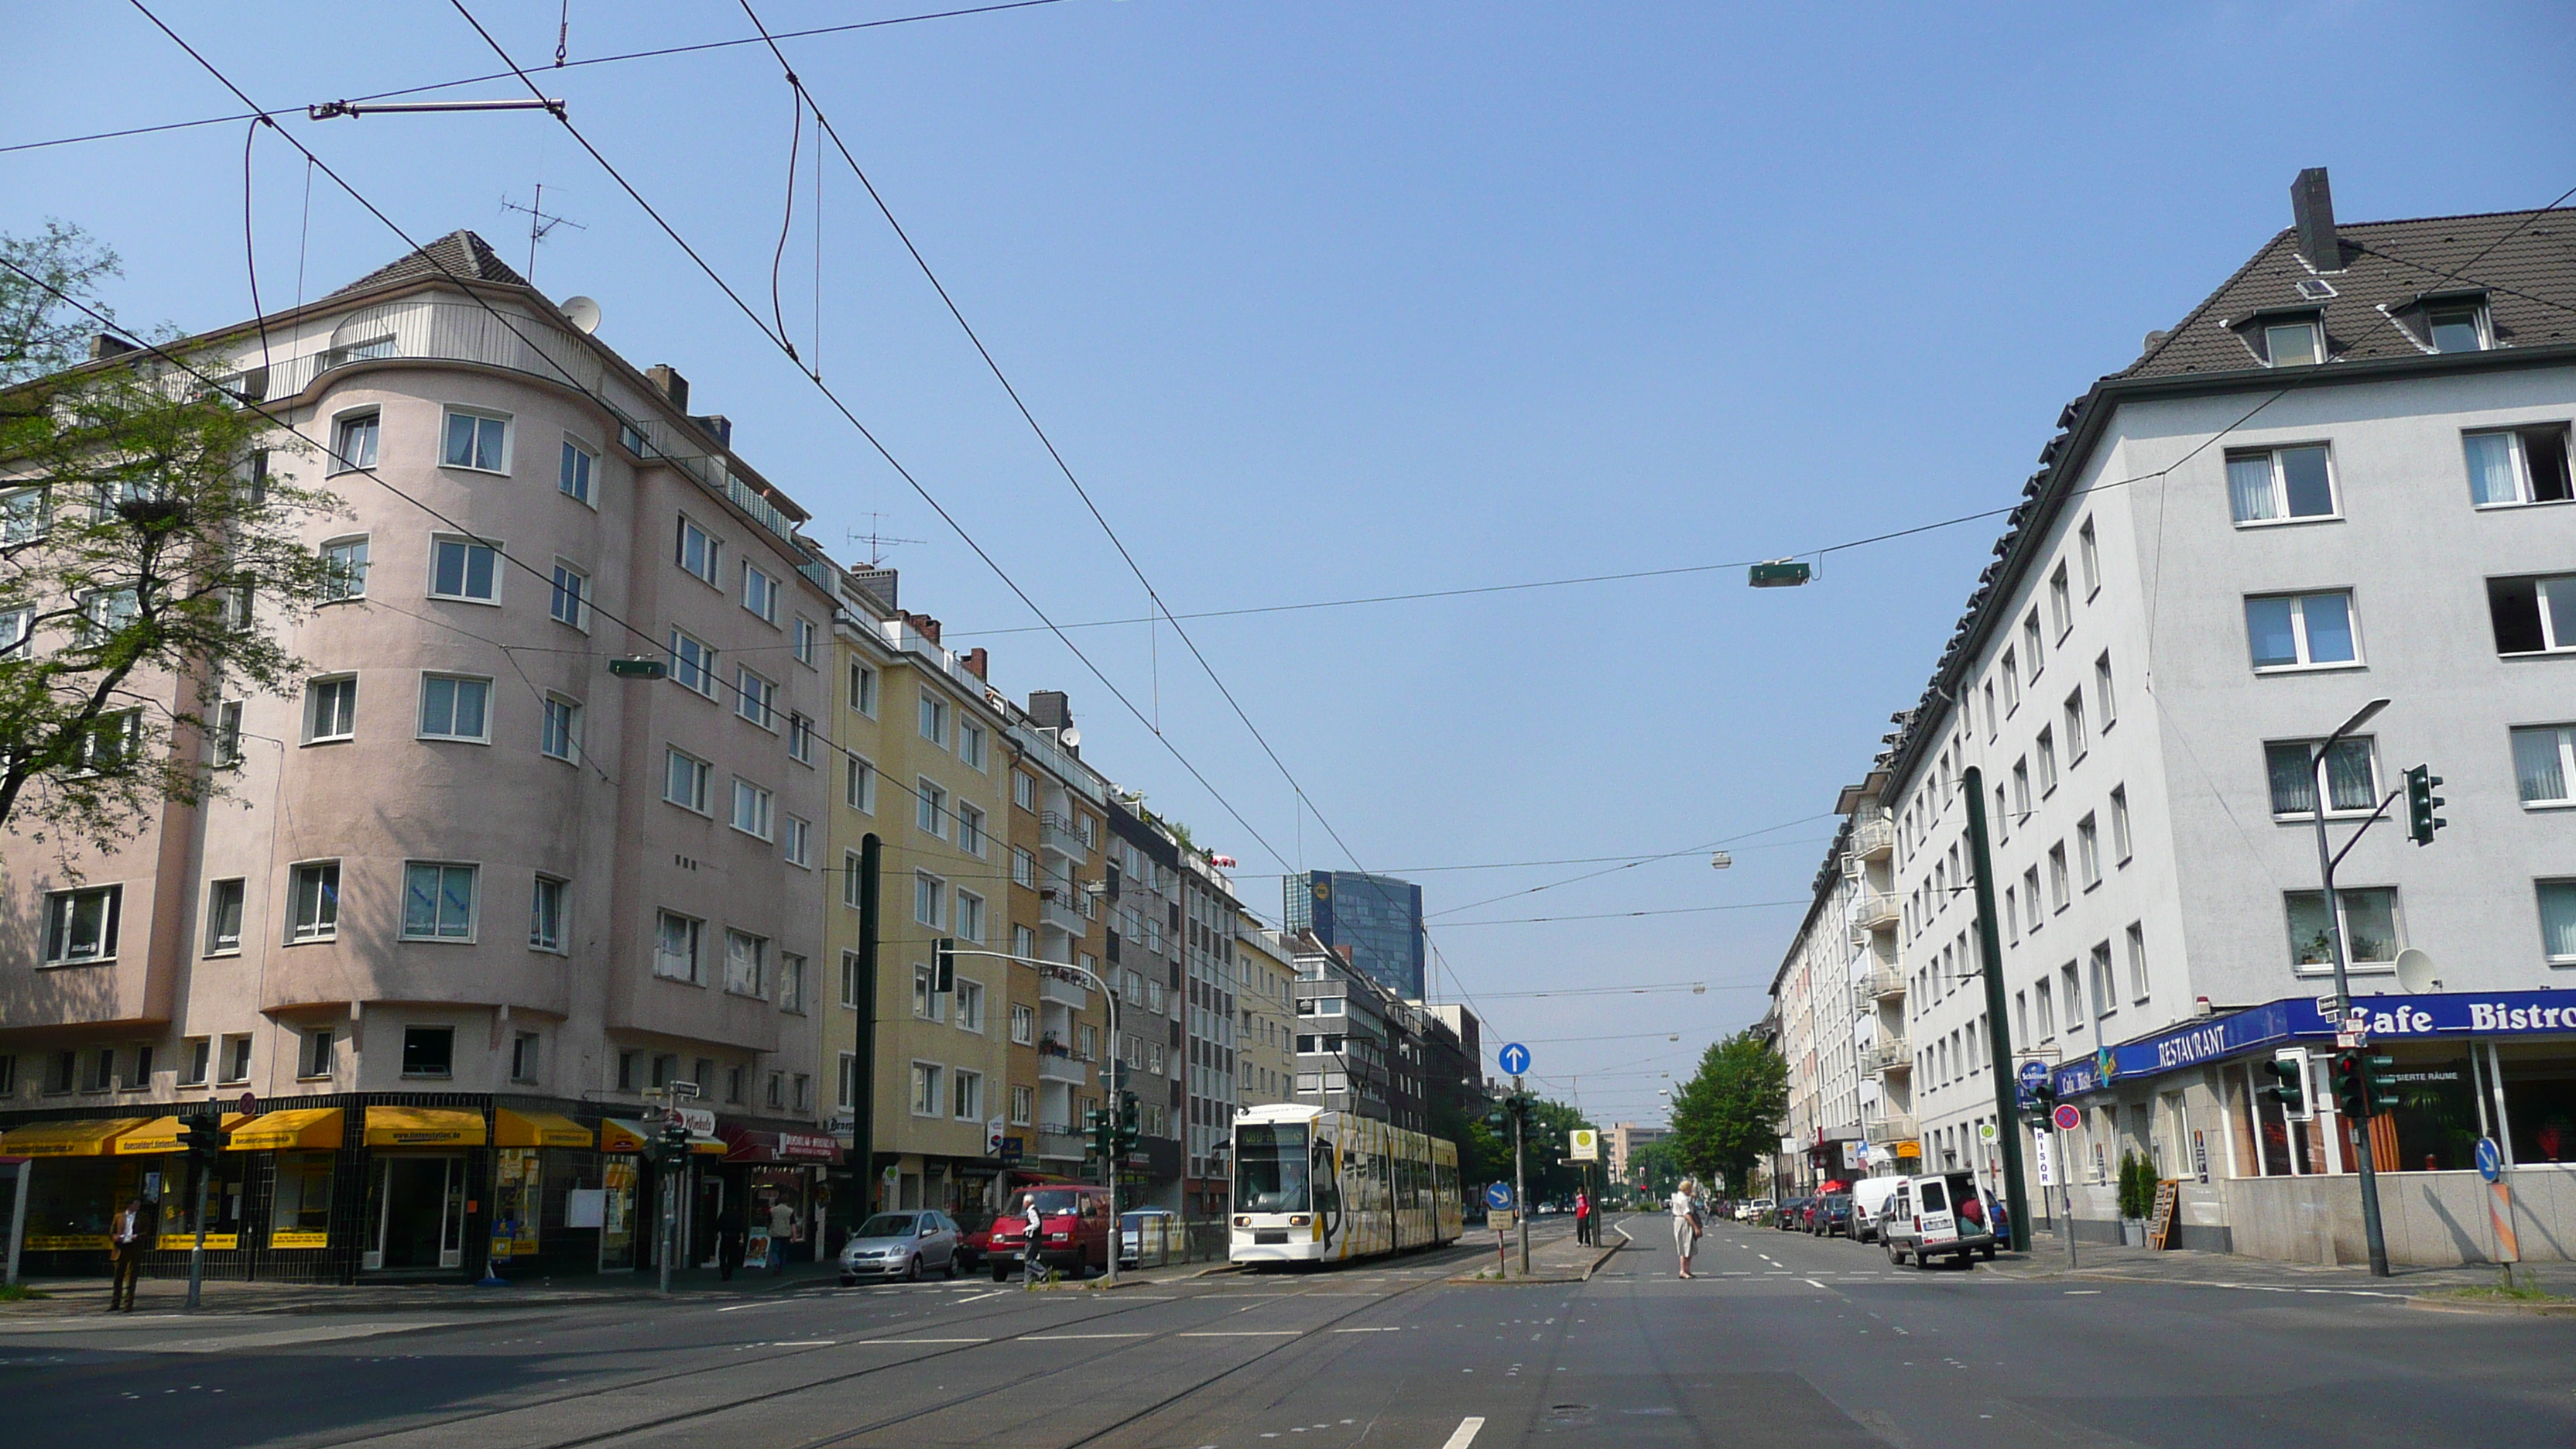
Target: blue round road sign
[2033,1073]
[1514,1057]
[1498,1196]
[2490,1161]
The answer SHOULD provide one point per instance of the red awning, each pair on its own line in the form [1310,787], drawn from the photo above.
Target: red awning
[744,1144]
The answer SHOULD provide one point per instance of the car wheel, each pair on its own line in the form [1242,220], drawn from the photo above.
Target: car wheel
[1987,1253]
[1894,1258]
[953,1267]
[912,1269]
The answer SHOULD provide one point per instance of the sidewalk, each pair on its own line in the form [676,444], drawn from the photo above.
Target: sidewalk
[72,1297]
[1555,1257]
[2047,1259]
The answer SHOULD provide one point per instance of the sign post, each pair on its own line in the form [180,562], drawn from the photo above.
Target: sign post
[1499,1199]
[2066,1119]
[2499,1207]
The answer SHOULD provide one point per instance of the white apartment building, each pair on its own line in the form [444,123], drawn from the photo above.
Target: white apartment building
[1821,983]
[2341,478]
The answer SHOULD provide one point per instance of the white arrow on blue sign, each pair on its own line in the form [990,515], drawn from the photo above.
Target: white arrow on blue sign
[1498,1196]
[1514,1057]
[2490,1161]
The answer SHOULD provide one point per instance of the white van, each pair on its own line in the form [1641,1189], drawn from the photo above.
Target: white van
[1923,1219]
[1869,1203]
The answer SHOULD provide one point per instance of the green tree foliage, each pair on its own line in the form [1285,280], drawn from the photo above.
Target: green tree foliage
[1727,1117]
[1661,1165]
[146,559]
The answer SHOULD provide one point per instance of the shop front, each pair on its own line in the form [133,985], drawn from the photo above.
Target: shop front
[75,1183]
[635,1179]
[167,1180]
[419,1164]
[539,1161]
[767,1168]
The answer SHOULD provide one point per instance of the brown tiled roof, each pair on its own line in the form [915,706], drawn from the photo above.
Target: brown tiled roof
[2525,261]
[459,254]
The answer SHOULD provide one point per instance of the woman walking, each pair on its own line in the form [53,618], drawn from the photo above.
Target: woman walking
[1685,1206]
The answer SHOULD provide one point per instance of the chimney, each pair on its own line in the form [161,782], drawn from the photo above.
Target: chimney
[714,425]
[877,583]
[976,661]
[1050,709]
[2312,205]
[924,625]
[674,387]
[108,344]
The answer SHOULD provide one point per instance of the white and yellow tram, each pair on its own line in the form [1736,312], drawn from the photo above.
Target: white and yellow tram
[1315,1186]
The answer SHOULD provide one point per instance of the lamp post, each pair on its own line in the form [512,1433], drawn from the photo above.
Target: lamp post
[1117,1230]
[2358,1135]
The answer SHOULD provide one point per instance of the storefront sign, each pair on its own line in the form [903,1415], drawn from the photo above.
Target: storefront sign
[182,1242]
[297,1238]
[63,1242]
[2399,1018]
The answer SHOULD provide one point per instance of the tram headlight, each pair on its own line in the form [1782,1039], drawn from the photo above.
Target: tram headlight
[1243,1222]
[1301,1220]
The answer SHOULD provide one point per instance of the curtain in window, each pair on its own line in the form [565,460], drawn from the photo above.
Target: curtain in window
[2491,477]
[2348,781]
[2249,488]
[2558,919]
[2294,789]
[2537,769]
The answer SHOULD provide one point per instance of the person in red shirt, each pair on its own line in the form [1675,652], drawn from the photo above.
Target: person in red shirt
[1582,1216]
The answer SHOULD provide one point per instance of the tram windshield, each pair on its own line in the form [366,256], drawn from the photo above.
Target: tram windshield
[1270,1168]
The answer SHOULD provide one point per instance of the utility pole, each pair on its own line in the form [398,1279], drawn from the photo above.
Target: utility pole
[1990,951]
[1520,1190]
[2357,1134]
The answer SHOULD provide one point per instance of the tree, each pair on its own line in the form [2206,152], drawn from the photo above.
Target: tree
[146,558]
[1727,1117]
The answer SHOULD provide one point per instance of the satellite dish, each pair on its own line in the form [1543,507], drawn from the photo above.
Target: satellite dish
[1070,737]
[2415,971]
[583,313]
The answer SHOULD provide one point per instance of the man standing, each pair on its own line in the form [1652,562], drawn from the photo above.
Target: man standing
[1685,1208]
[782,1226]
[1583,1217]
[125,1255]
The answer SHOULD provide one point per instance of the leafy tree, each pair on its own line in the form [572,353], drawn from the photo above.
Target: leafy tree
[146,558]
[1727,1117]
[1661,1165]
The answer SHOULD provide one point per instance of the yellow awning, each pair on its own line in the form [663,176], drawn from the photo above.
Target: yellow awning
[162,1135]
[88,1137]
[290,1127]
[617,1135]
[539,1129]
[423,1127]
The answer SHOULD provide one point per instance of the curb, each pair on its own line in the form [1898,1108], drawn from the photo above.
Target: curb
[2507,1310]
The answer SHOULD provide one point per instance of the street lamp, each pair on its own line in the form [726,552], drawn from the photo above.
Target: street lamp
[2327,860]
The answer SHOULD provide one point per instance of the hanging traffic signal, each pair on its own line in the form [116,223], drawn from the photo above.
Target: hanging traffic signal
[2352,1097]
[2378,1090]
[2421,802]
[946,956]
[2290,1086]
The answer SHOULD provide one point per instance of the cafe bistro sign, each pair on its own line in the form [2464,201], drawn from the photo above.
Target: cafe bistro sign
[2288,1022]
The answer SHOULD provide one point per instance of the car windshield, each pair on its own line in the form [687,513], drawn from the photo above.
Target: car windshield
[1270,1167]
[887,1225]
[1050,1203]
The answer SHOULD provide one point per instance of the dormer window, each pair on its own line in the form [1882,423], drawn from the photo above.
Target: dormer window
[2457,328]
[2291,344]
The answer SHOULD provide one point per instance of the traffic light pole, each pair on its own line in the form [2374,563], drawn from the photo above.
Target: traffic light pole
[2359,1135]
[197,1251]
[1998,1028]
[1520,1193]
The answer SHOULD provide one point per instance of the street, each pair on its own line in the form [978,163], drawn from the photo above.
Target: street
[1783,1340]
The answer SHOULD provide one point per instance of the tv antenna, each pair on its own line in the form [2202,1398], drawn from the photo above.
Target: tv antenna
[540,222]
[876,540]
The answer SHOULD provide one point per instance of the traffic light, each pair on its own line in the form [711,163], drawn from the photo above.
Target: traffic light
[674,1143]
[2377,1090]
[1101,1126]
[202,1137]
[2289,1069]
[1130,1122]
[2043,1098]
[2352,1096]
[946,957]
[2421,802]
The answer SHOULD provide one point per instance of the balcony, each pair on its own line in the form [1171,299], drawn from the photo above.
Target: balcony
[1874,839]
[1886,983]
[1877,911]
[1881,1057]
[1071,1072]
[1055,833]
[1053,1143]
[1057,913]
[1888,1129]
[1065,991]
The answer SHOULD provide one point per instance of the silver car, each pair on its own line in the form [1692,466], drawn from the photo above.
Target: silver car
[901,1245]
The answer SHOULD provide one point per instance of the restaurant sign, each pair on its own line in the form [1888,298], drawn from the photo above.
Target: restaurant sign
[2281,1023]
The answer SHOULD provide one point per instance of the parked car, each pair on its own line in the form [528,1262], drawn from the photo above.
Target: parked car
[1830,1215]
[1074,1235]
[1753,1210]
[901,1245]
[1791,1215]
[1132,1230]
[1870,1197]
[975,1240]
[1923,1221]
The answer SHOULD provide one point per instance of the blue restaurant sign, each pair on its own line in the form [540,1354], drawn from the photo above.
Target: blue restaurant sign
[2290,1022]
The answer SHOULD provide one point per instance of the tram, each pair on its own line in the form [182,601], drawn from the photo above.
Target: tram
[1317,1186]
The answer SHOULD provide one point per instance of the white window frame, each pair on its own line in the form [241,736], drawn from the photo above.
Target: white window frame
[702,778]
[2562,739]
[968,1012]
[568,599]
[757,802]
[800,738]
[760,593]
[859,785]
[2089,550]
[966,1094]
[546,897]
[499,468]
[439,929]
[691,536]
[808,638]
[2369,747]
[2123,845]
[796,840]
[559,721]
[216,943]
[2353,960]
[972,835]
[465,577]
[791,985]
[63,909]
[930,808]
[2061,602]
[755,698]
[669,966]
[864,688]
[324,922]
[1024,1024]
[931,721]
[313,696]
[577,472]
[694,663]
[746,963]
[2277,495]
[2316,343]
[2305,662]
[2137,943]
[369,423]
[344,562]
[2525,491]
[421,721]
[970,746]
[2545,590]
[933,891]
[926,1086]
[967,909]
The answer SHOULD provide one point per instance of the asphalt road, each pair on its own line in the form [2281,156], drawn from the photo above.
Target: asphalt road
[1783,1340]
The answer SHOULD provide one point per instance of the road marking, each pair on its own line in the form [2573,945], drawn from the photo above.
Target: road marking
[925,1340]
[1812,1283]
[1464,1434]
[805,1343]
[1248,1333]
[2083,1292]
[1368,1330]
[1052,1337]
[739,1307]
[980,1297]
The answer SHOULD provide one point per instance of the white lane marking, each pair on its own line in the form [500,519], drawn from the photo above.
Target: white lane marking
[1464,1434]
[980,1297]
[805,1343]
[740,1307]
[1812,1283]
[1249,1333]
[1052,1337]
[1368,1330]
[2083,1292]
[925,1340]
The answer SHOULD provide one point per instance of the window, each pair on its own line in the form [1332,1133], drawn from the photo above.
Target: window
[760,594]
[925,1089]
[928,1004]
[678,941]
[970,745]
[2558,921]
[2137,961]
[755,698]
[930,809]
[573,478]
[2057,891]
[853,879]
[970,1005]
[791,982]
[570,603]
[353,442]
[438,901]
[800,738]
[2544,760]
[2459,327]
[801,1099]
[929,900]
[2074,991]
[24,515]
[968,1098]
[467,569]
[114,740]
[1024,1025]
[863,690]
[2061,605]
[970,916]
[2368,922]
[862,790]
[970,830]
[236,1059]
[344,564]
[2291,344]
[429,1051]
[2088,851]
[693,663]
[807,638]
[2106,991]
[226,725]
[1024,867]
[546,914]
[1024,941]
[934,719]
[684,781]
[1994,717]
[2011,673]
[1023,1106]
[796,840]
[453,707]
[2047,763]
[1024,790]
[224,916]
[196,1060]
[316,1058]
[2352,784]
[560,734]
[2120,845]
[2275,485]
[2299,631]
[753,809]
[2533,615]
[2517,465]
[2075,743]
[697,550]
[2021,788]
[2089,548]
[848,1100]
[314,900]
[80,926]
[480,441]
[2030,655]
[523,1057]
[330,709]
[746,964]
[2012,917]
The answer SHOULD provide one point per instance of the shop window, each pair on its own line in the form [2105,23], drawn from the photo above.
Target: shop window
[300,1211]
[2539,1103]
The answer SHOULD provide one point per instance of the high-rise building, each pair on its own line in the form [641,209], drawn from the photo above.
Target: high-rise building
[1378,917]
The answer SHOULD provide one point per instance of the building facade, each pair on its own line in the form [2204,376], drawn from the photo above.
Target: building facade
[1378,917]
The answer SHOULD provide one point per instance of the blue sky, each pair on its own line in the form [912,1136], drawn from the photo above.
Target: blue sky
[1331,300]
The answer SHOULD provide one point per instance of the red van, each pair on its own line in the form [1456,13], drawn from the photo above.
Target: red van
[1074,1237]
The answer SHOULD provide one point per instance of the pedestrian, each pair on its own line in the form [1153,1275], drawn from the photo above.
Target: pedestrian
[126,1242]
[782,1226]
[729,1235]
[1029,1246]
[1685,1209]
[1583,1230]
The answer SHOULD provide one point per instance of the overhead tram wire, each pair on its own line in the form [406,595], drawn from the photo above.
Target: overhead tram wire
[1628,915]
[1633,864]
